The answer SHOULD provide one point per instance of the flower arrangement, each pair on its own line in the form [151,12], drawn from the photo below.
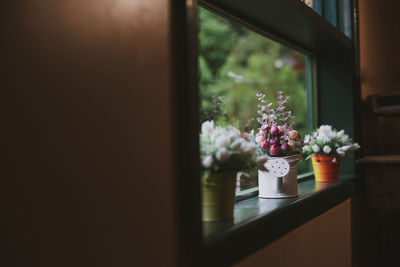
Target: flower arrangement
[328,141]
[224,150]
[276,136]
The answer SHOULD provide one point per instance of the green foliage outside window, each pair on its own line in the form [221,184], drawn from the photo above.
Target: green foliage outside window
[235,64]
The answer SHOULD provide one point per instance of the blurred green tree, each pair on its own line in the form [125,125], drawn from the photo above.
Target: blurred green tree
[235,64]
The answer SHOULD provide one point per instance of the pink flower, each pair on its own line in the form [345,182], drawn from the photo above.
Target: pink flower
[274,140]
[265,145]
[274,130]
[293,134]
[265,128]
[260,138]
[274,150]
[282,130]
[285,147]
[292,143]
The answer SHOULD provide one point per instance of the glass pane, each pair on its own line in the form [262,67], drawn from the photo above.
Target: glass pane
[330,11]
[234,65]
[345,16]
[317,6]
[337,12]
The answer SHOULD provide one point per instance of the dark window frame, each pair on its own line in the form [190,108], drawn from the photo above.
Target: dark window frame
[338,79]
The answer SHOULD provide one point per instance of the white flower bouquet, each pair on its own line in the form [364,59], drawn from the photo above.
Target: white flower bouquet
[224,150]
[328,141]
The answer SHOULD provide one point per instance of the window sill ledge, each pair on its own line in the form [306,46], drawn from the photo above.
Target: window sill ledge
[259,222]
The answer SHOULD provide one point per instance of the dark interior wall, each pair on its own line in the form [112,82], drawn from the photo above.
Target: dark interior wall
[379,46]
[380,73]
[85,101]
[379,28]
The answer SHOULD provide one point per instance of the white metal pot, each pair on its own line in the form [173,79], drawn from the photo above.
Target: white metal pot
[280,181]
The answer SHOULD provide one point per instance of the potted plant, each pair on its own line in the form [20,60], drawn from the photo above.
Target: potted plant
[281,144]
[223,154]
[326,146]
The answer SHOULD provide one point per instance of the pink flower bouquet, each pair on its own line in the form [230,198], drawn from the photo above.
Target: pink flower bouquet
[276,136]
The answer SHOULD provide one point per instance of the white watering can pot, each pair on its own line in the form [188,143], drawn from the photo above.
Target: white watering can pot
[280,179]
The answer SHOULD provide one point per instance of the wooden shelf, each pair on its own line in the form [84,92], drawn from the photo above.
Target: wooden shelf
[385,104]
[380,160]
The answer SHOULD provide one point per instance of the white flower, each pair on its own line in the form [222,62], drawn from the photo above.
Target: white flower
[207,127]
[222,141]
[223,154]
[326,133]
[207,161]
[348,148]
[315,148]
[345,138]
[355,146]
[306,148]
[248,148]
[340,152]
[307,138]
[218,144]
[244,146]
[324,137]
[326,129]
[260,138]
[344,149]
[327,149]
[237,143]
[331,140]
[233,130]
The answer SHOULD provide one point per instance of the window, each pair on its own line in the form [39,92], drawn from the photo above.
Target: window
[235,64]
[337,12]
[335,89]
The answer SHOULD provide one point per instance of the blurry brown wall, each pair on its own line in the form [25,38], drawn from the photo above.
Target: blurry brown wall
[379,46]
[324,241]
[379,26]
[85,94]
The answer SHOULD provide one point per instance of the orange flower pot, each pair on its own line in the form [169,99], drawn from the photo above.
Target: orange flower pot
[324,169]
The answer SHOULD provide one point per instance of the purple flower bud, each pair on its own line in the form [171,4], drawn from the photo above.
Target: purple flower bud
[285,147]
[274,150]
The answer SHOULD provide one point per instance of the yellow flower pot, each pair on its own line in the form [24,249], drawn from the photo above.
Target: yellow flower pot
[218,196]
